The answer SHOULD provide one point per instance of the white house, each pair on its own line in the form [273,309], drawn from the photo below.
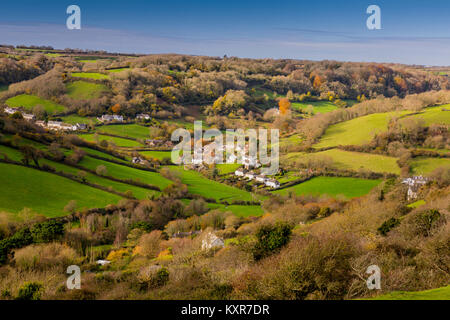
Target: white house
[414,185]
[137,160]
[272,183]
[261,178]
[212,241]
[143,116]
[9,110]
[250,162]
[28,116]
[249,175]
[239,173]
[109,118]
[81,126]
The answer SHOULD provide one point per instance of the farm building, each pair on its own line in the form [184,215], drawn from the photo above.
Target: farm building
[414,185]
[143,116]
[110,118]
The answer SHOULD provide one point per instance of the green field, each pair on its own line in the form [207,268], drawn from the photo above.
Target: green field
[427,165]
[157,154]
[433,115]
[332,186]
[82,90]
[357,131]
[120,142]
[240,211]
[227,168]
[117,70]
[126,130]
[45,193]
[349,160]
[123,172]
[318,106]
[138,192]
[90,75]
[433,294]
[74,119]
[198,184]
[29,101]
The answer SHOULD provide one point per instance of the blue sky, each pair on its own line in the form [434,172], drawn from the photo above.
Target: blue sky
[413,32]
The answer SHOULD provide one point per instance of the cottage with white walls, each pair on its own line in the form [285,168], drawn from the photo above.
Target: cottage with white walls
[414,184]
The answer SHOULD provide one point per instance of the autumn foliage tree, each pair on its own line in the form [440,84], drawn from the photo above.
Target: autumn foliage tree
[285,105]
[116,108]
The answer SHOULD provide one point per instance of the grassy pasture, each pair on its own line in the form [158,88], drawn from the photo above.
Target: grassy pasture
[120,142]
[116,70]
[126,130]
[425,166]
[433,294]
[433,115]
[82,90]
[318,106]
[138,192]
[90,75]
[198,184]
[156,154]
[332,186]
[45,193]
[226,168]
[350,160]
[239,211]
[124,172]
[357,131]
[29,101]
[74,119]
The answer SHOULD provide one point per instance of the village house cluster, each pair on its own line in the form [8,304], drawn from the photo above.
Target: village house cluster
[50,125]
[106,118]
[414,184]
[250,175]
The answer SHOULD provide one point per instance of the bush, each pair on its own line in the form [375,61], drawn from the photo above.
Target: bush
[270,239]
[44,255]
[47,231]
[30,291]
[388,226]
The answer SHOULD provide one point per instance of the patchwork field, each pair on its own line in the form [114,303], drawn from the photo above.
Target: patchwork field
[427,165]
[240,211]
[317,106]
[120,142]
[123,172]
[46,193]
[437,115]
[357,131]
[74,119]
[332,186]
[126,130]
[90,75]
[350,160]
[138,192]
[198,184]
[82,90]
[156,154]
[29,101]
[434,294]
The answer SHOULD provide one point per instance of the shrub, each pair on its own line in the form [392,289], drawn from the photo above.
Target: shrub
[30,291]
[270,238]
[388,225]
[47,231]
[44,255]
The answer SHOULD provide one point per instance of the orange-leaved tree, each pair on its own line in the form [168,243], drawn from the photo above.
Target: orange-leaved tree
[284,105]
